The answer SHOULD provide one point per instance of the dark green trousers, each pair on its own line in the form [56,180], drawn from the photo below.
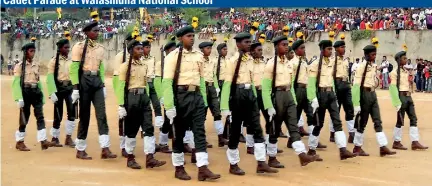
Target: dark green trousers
[304,105]
[264,113]
[327,101]
[213,102]
[139,114]
[285,112]
[407,107]
[154,99]
[344,97]
[32,97]
[369,106]
[64,96]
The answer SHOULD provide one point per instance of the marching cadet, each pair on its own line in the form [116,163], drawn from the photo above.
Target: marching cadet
[134,105]
[277,89]
[320,92]
[119,59]
[60,90]
[212,90]
[366,103]
[238,94]
[27,91]
[300,81]
[402,100]
[343,90]
[87,73]
[184,91]
[165,130]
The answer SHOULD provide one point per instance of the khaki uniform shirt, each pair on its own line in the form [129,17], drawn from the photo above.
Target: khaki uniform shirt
[118,60]
[404,82]
[258,71]
[158,69]
[326,79]
[342,67]
[370,75]
[31,72]
[245,72]
[284,71]
[94,56]
[138,74]
[191,68]
[150,61]
[302,77]
[63,68]
[209,70]
[223,67]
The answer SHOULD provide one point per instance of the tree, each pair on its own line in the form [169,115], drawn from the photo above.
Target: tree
[201,13]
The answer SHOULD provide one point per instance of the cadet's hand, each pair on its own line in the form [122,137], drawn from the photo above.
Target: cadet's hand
[357,110]
[20,103]
[75,96]
[398,108]
[217,92]
[122,112]
[225,113]
[171,113]
[53,98]
[314,105]
[159,121]
[271,112]
[105,93]
[161,101]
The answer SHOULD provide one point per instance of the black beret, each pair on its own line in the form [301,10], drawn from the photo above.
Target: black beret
[399,55]
[28,46]
[133,43]
[89,26]
[241,36]
[255,45]
[169,45]
[338,44]
[297,44]
[62,42]
[290,49]
[324,44]
[278,39]
[185,30]
[146,43]
[369,48]
[221,46]
[128,36]
[205,44]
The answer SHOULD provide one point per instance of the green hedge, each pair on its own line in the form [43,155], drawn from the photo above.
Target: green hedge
[357,35]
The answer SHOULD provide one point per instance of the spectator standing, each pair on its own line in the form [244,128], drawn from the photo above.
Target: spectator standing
[419,76]
[385,73]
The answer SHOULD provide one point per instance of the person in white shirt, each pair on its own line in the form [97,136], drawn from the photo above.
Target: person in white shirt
[385,73]
[354,68]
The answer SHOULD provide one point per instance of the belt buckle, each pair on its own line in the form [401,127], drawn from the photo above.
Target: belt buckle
[149,80]
[247,86]
[94,73]
[33,85]
[191,88]
[258,87]
[140,91]
[344,79]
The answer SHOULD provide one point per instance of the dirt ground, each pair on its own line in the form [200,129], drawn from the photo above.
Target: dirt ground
[58,166]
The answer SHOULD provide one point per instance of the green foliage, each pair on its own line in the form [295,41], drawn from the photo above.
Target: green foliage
[357,35]
[130,28]
[28,15]
[44,16]
[201,13]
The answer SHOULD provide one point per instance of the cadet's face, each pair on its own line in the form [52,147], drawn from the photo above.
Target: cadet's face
[138,51]
[301,50]
[188,39]
[328,51]
[341,50]
[93,33]
[31,53]
[372,56]
[224,51]
[170,50]
[290,54]
[283,47]
[245,45]
[207,50]
[258,51]
[147,50]
[403,60]
[65,49]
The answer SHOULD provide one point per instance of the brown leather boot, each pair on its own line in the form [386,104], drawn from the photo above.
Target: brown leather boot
[282,135]
[358,151]
[131,163]
[306,159]
[279,151]
[250,150]
[384,151]
[69,142]
[321,146]
[181,174]
[332,137]
[164,149]
[46,144]
[345,154]
[124,153]
[303,131]
[157,148]
[152,162]
[56,142]
[314,154]
[209,145]
[351,137]
[236,170]
[205,174]
[107,154]
[83,155]
[222,141]
[289,143]
[21,146]
[398,145]
[187,149]
[273,162]
[262,167]
[415,145]
[242,139]
[193,156]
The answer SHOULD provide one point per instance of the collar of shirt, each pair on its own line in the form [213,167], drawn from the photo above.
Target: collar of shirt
[207,59]
[91,43]
[146,57]
[189,51]
[281,59]
[326,60]
[63,57]
[137,62]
